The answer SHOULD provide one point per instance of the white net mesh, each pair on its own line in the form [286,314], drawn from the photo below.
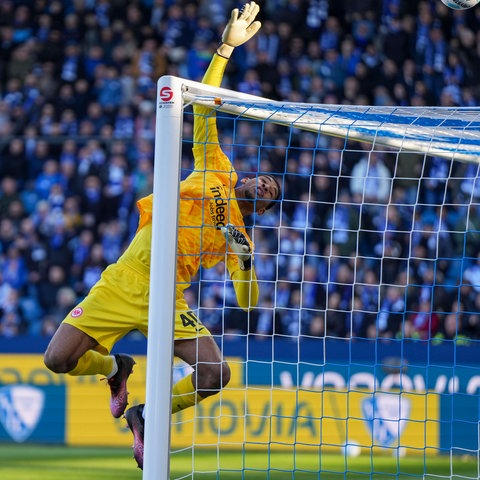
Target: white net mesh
[359,358]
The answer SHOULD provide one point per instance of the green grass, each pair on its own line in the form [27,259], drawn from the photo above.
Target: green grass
[27,462]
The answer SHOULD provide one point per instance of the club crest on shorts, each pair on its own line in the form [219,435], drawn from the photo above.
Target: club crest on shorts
[21,407]
[76,312]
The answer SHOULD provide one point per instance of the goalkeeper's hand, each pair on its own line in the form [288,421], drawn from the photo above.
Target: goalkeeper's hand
[240,28]
[239,245]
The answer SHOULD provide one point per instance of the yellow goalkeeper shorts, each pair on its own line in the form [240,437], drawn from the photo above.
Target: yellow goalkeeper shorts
[118,304]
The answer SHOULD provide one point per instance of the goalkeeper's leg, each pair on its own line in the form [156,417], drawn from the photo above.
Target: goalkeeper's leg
[72,351]
[210,376]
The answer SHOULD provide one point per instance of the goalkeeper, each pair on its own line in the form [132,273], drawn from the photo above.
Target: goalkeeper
[211,230]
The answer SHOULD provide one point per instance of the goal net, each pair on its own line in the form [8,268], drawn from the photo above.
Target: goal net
[361,358]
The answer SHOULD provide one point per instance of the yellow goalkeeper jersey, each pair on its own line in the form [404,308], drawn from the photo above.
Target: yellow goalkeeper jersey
[207,202]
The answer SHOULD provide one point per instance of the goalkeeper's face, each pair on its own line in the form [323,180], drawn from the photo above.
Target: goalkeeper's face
[263,191]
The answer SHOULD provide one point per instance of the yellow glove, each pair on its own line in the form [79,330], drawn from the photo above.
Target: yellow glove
[240,28]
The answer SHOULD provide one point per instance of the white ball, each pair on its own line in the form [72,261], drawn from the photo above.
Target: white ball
[402,451]
[460,4]
[352,450]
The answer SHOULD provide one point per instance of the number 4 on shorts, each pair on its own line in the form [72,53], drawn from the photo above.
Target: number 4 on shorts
[189,319]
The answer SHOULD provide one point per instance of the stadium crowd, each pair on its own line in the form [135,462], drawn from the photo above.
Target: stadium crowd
[348,259]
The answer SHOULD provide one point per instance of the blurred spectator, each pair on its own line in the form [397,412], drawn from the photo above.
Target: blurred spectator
[466,233]
[80,246]
[12,321]
[14,269]
[265,324]
[8,194]
[360,319]
[451,329]
[251,83]
[197,59]
[331,35]
[73,64]
[115,172]
[47,178]
[343,223]
[317,325]
[434,59]
[145,122]
[433,187]
[93,268]
[335,317]
[470,183]
[49,287]
[13,163]
[112,241]
[391,314]
[93,58]
[108,88]
[268,41]
[471,275]
[66,300]
[425,322]
[10,325]
[5,290]
[91,200]
[124,125]
[149,63]
[371,179]
[48,327]
[368,292]
[212,315]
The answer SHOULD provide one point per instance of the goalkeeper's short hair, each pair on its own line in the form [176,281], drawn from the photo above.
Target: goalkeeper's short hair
[279,189]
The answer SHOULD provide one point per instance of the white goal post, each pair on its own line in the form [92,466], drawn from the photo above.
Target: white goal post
[166,187]
[444,132]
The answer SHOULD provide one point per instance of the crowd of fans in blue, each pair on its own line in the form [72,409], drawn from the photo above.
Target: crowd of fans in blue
[365,244]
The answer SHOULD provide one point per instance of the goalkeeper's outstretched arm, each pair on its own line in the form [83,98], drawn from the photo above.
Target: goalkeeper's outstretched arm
[241,27]
[246,288]
[244,278]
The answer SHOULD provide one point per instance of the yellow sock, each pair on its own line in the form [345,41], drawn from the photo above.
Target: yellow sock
[92,363]
[184,394]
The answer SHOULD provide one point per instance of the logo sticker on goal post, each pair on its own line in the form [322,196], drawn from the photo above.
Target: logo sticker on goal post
[386,416]
[165,95]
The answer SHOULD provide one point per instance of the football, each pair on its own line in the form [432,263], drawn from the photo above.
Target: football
[460,4]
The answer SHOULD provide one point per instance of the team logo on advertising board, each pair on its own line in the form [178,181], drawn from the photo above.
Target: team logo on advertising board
[386,416]
[21,408]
